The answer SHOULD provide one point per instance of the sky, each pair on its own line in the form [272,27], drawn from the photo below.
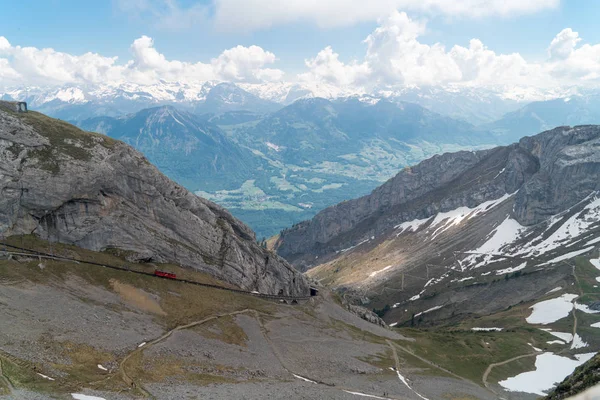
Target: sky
[540,44]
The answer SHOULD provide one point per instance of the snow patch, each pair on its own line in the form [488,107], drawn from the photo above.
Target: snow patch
[352,247]
[365,395]
[593,241]
[486,329]
[405,381]
[78,396]
[584,308]
[455,217]
[578,343]
[429,310]
[505,233]
[550,369]
[374,273]
[45,377]
[512,269]
[468,278]
[100,366]
[568,255]
[142,344]
[552,310]
[556,289]
[566,337]
[303,378]
[500,173]
[410,226]
[273,146]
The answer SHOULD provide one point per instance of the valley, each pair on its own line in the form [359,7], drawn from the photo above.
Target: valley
[300,200]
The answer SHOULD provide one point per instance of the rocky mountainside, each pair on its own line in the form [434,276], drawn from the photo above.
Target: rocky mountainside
[504,240]
[439,231]
[70,186]
[583,378]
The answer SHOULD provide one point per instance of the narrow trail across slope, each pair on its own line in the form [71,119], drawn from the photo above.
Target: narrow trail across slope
[130,382]
[400,377]
[492,366]
[566,349]
[426,361]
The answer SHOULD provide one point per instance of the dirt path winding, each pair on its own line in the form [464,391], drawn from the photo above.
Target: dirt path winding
[573,312]
[404,349]
[492,366]
[129,380]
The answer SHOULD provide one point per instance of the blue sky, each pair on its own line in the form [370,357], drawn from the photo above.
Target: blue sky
[192,31]
[101,26]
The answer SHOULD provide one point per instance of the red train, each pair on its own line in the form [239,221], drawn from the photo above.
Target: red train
[165,274]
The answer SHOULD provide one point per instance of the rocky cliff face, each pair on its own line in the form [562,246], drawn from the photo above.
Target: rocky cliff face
[70,186]
[550,172]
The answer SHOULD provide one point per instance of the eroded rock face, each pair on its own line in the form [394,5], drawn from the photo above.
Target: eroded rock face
[66,185]
[366,314]
[551,172]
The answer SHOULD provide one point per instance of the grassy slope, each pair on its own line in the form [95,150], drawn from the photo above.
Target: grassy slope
[468,353]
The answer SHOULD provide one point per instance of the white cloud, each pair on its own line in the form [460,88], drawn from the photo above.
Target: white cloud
[396,56]
[249,15]
[30,65]
[260,14]
[245,64]
[573,64]
[563,44]
[326,67]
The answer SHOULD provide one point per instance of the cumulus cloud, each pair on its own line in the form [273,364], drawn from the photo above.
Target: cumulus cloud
[326,67]
[30,65]
[245,64]
[563,44]
[395,55]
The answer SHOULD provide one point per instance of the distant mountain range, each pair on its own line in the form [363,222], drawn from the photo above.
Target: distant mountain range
[277,153]
[542,115]
[75,103]
[183,146]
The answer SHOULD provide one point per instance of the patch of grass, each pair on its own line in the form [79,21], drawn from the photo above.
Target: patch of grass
[154,369]
[587,274]
[22,376]
[467,353]
[64,138]
[224,329]
[355,332]
[383,360]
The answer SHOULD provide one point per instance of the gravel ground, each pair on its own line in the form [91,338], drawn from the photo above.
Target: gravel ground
[31,312]
[319,340]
